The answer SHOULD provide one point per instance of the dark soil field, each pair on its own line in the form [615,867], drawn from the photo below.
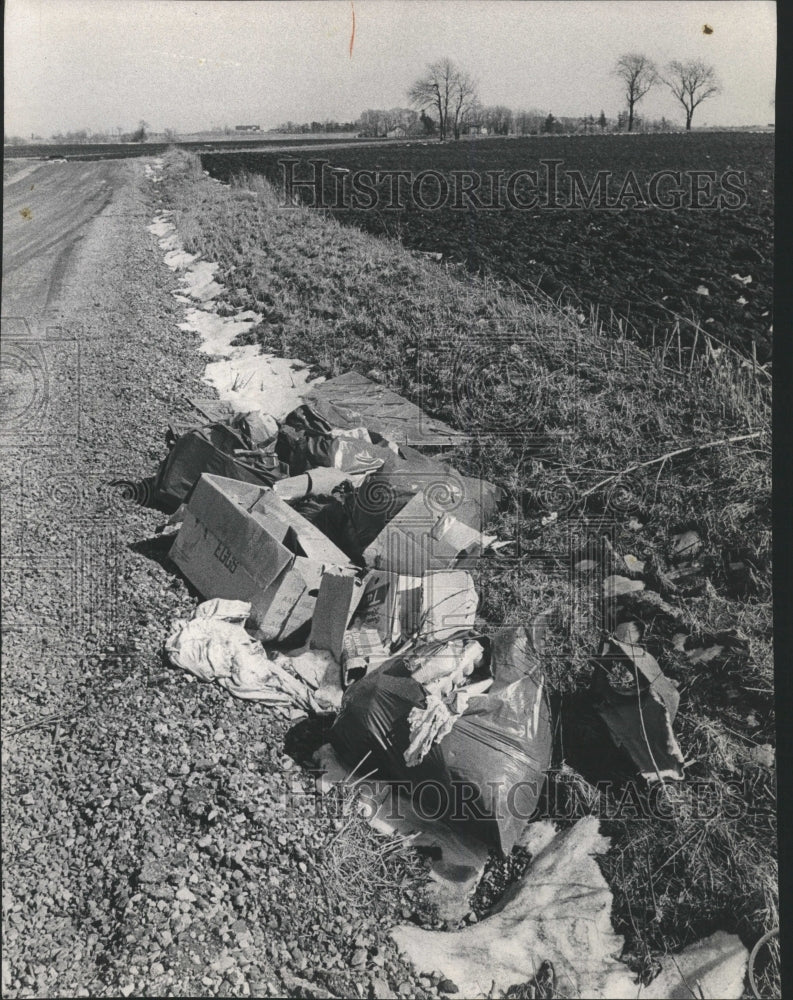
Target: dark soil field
[706,262]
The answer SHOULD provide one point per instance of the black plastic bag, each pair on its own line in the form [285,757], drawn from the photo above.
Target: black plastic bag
[216,449]
[487,773]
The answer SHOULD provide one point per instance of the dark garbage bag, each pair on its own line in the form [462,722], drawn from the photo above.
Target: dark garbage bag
[305,440]
[487,773]
[217,449]
[331,516]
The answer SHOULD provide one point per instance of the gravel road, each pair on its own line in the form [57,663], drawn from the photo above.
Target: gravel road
[157,838]
[46,208]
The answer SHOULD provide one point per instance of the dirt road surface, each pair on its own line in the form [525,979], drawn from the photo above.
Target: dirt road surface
[46,208]
[94,366]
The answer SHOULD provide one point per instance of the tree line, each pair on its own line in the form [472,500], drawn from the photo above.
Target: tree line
[691,82]
[447,96]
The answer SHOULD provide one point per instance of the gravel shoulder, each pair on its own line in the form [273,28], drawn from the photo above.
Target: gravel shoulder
[157,841]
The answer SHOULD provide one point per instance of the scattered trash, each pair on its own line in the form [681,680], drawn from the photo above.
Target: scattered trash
[763,755]
[616,586]
[630,632]
[634,565]
[686,545]
[382,410]
[363,650]
[560,912]
[703,654]
[639,708]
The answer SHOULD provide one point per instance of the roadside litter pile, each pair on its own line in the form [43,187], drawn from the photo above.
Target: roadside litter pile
[350,555]
[336,562]
[336,553]
[329,534]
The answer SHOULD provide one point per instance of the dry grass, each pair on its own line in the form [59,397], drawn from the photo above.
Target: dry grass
[556,406]
[358,866]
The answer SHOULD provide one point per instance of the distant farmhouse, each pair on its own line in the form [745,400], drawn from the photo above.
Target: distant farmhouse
[247,128]
[398,132]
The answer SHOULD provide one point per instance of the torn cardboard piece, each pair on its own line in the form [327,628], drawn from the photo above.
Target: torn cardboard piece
[448,604]
[640,718]
[560,911]
[287,605]
[433,606]
[339,595]
[390,604]
[384,411]
[418,540]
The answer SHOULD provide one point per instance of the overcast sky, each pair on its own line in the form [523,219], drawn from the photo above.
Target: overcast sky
[101,64]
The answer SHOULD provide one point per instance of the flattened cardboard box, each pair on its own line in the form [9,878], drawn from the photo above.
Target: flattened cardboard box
[240,541]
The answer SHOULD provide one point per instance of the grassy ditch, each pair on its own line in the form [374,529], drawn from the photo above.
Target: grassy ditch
[606,449]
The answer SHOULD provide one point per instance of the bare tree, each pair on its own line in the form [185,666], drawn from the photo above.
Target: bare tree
[638,74]
[450,90]
[465,102]
[691,82]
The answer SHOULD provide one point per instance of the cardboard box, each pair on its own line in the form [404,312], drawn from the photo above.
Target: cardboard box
[363,651]
[389,605]
[242,542]
[419,540]
[434,605]
[448,603]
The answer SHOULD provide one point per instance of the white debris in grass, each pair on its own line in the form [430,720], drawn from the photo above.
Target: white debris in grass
[199,282]
[242,376]
[561,911]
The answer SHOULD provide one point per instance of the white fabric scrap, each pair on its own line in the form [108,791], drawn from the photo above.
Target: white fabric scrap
[214,646]
[560,910]
[427,726]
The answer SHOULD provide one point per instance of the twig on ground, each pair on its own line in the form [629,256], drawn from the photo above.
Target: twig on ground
[40,723]
[669,454]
